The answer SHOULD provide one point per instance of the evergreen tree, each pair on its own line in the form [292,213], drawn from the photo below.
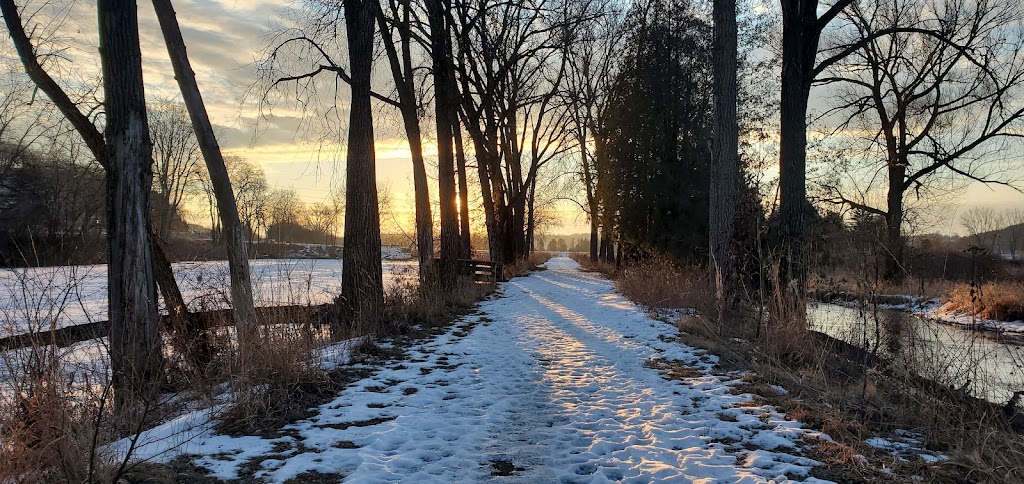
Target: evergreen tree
[658,126]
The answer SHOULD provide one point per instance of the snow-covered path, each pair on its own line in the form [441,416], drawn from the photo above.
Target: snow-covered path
[556,380]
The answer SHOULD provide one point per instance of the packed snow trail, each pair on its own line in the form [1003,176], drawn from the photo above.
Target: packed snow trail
[555,383]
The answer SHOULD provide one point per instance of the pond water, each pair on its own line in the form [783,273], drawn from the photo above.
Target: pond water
[982,364]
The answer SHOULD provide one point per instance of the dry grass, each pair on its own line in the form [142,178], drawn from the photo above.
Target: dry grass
[834,387]
[51,425]
[837,389]
[1001,301]
[658,282]
[274,383]
[523,267]
[408,303]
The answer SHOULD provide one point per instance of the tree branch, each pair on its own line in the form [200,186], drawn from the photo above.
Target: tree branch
[42,79]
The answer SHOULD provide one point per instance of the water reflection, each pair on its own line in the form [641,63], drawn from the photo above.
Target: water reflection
[982,365]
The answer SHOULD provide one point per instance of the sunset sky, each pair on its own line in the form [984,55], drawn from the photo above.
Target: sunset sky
[224,38]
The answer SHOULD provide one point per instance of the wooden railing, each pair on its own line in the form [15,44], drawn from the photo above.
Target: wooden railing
[480,270]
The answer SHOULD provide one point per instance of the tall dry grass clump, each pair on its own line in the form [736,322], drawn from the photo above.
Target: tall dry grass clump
[524,266]
[55,408]
[660,282]
[52,424]
[408,302]
[280,378]
[997,300]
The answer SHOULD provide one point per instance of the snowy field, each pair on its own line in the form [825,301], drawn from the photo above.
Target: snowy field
[555,382]
[38,299]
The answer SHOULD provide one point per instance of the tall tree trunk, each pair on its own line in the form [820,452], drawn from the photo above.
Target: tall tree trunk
[724,153]
[402,71]
[799,47]
[486,195]
[445,116]
[421,187]
[93,139]
[500,251]
[894,244]
[362,287]
[530,220]
[603,246]
[592,206]
[238,258]
[187,334]
[135,356]
[460,159]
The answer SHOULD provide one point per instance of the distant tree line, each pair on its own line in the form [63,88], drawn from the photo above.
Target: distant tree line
[52,207]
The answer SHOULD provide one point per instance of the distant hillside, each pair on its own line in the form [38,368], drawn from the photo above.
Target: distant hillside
[1008,241]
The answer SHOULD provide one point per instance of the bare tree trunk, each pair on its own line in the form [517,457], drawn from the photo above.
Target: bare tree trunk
[362,287]
[424,219]
[187,335]
[592,205]
[93,138]
[799,47]
[135,356]
[894,269]
[234,241]
[530,220]
[488,201]
[602,253]
[402,72]
[444,113]
[460,158]
[724,153]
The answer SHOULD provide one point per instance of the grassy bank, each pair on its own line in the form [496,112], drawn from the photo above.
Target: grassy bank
[881,416]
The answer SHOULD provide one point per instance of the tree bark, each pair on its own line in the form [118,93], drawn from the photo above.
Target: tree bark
[244,313]
[187,334]
[94,140]
[460,159]
[894,269]
[530,219]
[135,356]
[799,48]
[724,153]
[440,54]
[592,205]
[362,288]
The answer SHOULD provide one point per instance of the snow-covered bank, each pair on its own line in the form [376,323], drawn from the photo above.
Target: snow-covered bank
[556,380]
[39,299]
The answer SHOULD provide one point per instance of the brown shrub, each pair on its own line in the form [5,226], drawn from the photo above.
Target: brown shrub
[523,267]
[410,303]
[658,282]
[1001,301]
[50,426]
[604,267]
